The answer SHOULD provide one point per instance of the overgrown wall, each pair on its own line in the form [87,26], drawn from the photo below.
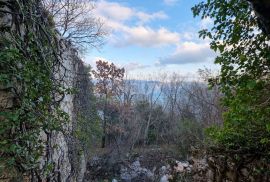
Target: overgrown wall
[62,158]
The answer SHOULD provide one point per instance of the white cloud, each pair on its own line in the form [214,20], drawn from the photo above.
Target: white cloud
[189,35]
[189,52]
[145,17]
[170,2]
[143,36]
[134,66]
[92,61]
[147,37]
[118,19]
[129,27]
[113,11]
[206,23]
[116,12]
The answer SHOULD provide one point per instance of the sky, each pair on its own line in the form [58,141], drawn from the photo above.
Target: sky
[153,36]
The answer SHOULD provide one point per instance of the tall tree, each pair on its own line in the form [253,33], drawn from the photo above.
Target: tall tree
[109,81]
[244,56]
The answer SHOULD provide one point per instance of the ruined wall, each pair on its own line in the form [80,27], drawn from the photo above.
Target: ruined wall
[67,146]
[63,152]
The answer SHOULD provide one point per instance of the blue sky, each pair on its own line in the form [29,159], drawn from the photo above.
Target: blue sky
[152,36]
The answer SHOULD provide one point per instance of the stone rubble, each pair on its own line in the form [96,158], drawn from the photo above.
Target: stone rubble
[134,171]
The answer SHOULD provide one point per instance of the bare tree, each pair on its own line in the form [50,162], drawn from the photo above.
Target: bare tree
[75,21]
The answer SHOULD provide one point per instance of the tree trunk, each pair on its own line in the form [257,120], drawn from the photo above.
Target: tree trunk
[262,9]
[103,141]
[105,115]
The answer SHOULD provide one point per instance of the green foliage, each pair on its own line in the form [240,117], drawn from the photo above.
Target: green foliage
[190,136]
[244,56]
[87,126]
[88,131]
[27,74]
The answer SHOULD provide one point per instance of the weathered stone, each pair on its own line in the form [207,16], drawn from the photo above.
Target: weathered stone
[60,145]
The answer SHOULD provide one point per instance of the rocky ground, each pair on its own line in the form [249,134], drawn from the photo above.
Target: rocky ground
[152,166]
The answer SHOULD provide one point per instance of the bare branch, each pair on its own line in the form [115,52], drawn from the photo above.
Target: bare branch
[75,21]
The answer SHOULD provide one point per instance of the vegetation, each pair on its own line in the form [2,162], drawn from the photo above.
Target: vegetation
[75,22]
[109,80]
[86,128]
[128,115]
[244,79]
[145,113]
[34,82]
[26,73]
[244,57]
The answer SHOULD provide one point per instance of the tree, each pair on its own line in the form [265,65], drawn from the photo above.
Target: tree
[244,79]
[109,81]
[75,21]
[262,9]
[86,127]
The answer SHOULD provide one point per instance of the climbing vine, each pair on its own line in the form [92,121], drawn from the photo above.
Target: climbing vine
[88,129]
[29,59]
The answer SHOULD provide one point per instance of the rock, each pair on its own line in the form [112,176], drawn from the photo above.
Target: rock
[135,171]
[164,179]
[244,172]
[182,167]
[163,170]
[179,168]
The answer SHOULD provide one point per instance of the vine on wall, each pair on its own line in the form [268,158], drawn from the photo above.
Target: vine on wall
[29,58]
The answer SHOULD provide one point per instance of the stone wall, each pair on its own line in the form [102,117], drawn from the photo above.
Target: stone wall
[67,146]
[63,148]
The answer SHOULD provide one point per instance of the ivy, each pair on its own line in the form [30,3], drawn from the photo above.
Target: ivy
[28,60]
[87,129]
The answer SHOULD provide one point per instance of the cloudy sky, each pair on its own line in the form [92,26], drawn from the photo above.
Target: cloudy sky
[151,36]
